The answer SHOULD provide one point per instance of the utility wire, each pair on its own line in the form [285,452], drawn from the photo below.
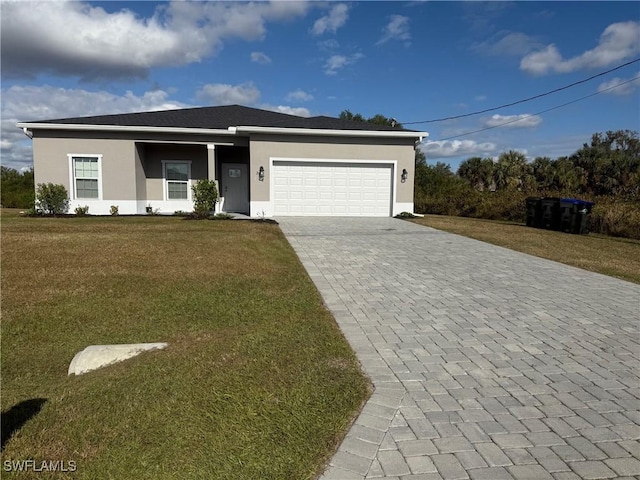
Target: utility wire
[526,99]
[541,112]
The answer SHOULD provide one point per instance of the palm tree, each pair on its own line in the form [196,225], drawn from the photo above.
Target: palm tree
[511,170]
[543,172]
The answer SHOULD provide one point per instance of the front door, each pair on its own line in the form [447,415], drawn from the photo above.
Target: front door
[235,187]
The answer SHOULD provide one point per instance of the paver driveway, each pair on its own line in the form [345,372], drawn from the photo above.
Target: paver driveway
[487,363]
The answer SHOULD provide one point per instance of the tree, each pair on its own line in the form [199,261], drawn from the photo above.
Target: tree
[52,199]
[17,188]
[512,171]
[478,172]
[542,168]
[377,119]
[610,163]
[347,115]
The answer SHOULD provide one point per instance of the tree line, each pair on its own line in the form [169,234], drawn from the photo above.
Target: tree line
[606,171]
[608,165]
[16,189]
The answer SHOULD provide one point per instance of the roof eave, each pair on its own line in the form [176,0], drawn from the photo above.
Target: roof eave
[123,128]
[331,132]
[228,131]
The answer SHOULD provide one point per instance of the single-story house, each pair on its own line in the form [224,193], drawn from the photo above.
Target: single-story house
[265,163]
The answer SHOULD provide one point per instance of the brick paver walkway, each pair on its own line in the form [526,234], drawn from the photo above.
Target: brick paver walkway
[487,363]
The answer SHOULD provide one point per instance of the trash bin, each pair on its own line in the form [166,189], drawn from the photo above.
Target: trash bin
[550,207]
[534,212]
[574,215]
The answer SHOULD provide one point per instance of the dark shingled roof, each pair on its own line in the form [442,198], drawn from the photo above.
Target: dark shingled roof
[221,118]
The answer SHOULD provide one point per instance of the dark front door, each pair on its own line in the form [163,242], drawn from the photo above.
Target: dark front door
[235,187]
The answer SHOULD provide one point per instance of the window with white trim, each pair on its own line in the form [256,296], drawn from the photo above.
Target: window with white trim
[86,176]
[177,176]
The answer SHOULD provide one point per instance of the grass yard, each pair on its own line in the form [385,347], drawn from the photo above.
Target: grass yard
[617,257]
[257,381]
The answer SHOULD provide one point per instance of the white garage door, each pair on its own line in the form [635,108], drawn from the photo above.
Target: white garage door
[319,188]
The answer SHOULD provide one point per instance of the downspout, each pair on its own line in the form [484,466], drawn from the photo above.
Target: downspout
[27,132]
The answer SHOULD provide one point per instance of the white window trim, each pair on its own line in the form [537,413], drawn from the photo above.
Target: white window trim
[165,182]
[72,175]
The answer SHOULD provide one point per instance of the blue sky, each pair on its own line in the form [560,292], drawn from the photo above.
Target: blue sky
[413,61]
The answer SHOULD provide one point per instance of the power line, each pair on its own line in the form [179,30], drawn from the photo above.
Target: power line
[526,99]
[541,112]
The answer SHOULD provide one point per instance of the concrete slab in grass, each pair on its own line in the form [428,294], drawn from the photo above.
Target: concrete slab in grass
[98,356]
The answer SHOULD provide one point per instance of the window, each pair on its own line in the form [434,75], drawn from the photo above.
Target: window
[177,177]
[86,176]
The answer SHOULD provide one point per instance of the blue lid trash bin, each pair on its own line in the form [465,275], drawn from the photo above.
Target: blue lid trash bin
[550,213]
[569,215]
[574,215]
[534,212]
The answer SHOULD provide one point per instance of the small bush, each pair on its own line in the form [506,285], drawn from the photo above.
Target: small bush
[152,211]
[113,210]
[405,215]
[82,211]
[205,197]
[52,199]
[31,212]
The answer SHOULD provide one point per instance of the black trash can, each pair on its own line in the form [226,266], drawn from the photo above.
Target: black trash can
[574,215]
[534,212]
[550,207]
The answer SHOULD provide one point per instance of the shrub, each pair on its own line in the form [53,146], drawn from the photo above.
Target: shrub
[405,215]
[615,218]
[113,210]
[52,199]
[82,211]
[205,197]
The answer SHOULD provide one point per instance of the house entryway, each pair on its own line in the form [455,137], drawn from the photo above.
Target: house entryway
[234,187]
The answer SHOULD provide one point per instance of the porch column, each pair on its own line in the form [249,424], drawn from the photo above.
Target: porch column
[211,161]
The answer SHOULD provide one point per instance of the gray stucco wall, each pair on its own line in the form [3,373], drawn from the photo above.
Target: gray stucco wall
[51,163]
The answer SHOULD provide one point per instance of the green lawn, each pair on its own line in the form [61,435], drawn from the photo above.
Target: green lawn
[617,257]
[257,381]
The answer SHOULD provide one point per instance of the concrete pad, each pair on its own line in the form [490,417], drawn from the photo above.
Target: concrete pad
[98,356]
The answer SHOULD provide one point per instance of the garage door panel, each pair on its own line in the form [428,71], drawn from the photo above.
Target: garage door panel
[319,188]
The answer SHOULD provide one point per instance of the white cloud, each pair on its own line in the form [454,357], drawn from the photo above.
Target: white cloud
[507,43]
[338,62]
[299,111]
[29,103]
[260,57]
[85,41]
[524,120]
[299,96]
[611,86]
[456,148]
[336,18]
[618,42]
[225,94]
[396,29]
[329,44]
